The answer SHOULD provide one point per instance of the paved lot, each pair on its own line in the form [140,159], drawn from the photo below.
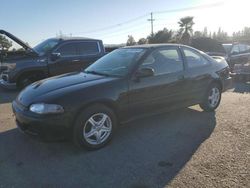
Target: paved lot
[184,148]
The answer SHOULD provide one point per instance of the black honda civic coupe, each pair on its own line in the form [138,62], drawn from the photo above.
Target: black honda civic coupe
[129,82]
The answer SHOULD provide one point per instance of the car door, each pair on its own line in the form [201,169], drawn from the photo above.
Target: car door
[165,87]
[235,55]
[244,54]
[197,74]
[89,52]
[67,61]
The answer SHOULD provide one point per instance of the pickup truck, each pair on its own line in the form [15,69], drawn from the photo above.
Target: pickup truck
[52,57]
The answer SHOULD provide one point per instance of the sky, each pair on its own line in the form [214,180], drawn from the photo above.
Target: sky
[113,20]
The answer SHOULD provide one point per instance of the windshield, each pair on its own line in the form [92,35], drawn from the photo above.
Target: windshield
[45,46]
[227,47]
[117,63]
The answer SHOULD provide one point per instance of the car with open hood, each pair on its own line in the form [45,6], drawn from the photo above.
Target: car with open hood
[51,57]
[128,82]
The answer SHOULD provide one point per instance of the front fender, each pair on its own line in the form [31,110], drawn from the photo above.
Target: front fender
[27,68]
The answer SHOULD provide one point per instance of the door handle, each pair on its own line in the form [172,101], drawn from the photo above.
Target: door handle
[76,60]
[181,77]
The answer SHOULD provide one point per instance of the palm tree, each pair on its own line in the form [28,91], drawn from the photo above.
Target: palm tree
[186,29]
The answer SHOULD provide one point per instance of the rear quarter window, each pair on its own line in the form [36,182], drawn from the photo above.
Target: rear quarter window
[194,58]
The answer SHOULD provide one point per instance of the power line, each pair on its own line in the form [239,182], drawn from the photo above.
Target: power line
[110,35]
[121,29]
[115,25]
[151,19]
[127,32]
[191,8]
[181,10]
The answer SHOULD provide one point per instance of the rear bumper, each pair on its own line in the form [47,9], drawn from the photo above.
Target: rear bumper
[7,85]
[53,127]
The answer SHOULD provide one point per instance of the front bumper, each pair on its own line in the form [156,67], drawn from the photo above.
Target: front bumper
[49,127]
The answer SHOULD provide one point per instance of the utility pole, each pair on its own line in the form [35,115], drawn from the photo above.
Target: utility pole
[152,23]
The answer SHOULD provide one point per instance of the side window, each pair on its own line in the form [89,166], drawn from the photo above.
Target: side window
[68,49]
[244,48]
[88,48]
[164,61]
[235,50]
[194,59]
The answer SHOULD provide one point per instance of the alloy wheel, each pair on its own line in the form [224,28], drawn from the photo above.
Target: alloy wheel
[214,97]
[97,128]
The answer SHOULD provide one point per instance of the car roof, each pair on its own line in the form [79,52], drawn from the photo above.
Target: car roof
[75,38]
[155,45]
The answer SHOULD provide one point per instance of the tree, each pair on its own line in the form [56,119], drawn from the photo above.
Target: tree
[162,36]
[221,36]
[5,44]
[142,41]
[186,29]
[205,33]
[131,41]
[243,35]
[198,34]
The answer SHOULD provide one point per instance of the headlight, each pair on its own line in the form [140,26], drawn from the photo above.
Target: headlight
[46,108]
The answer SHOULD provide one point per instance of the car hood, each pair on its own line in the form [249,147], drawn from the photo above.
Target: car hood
[59,83]
[17,40]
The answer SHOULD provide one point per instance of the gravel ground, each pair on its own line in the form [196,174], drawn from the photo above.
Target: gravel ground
[223,160]
[183,148]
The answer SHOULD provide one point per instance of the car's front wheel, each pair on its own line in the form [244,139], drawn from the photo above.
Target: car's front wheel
[94,127]
[212,98]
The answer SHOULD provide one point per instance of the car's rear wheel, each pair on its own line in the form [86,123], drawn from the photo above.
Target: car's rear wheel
[212,98]
[94,127]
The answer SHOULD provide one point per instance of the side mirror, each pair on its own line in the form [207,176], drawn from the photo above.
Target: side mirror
[55,56]
[145,72]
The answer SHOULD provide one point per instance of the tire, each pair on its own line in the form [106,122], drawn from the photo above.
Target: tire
[212,98]
[90,131]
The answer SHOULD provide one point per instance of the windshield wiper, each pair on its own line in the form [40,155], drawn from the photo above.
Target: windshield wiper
[97,73]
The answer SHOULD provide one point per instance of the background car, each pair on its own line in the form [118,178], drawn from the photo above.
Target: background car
[127,83]
[52,57]
[237,55]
